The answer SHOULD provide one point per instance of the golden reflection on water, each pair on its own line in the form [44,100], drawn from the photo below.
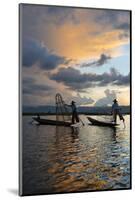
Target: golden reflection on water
[78,159]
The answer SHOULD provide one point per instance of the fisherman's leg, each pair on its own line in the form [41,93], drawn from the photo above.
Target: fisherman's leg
[76,117]
[73,119]
[115,116]
[121,117]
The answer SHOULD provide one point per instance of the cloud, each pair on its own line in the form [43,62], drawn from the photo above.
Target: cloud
[121,95]
[36,53]
[115,20]
[115,78]
[62,15]
[45,14]
[71,78]
[80,100]
[75,80]
[71,32]
[44,94]
[81,34]
[101,61]
[30,87]
[123,26]
[110,95]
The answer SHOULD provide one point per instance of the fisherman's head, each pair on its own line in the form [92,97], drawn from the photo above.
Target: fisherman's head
[115,101]
[73,102]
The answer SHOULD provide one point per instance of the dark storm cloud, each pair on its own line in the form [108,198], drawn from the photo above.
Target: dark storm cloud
[27,81]
[115,78]
[116,20]
[36,17]
[73,78]
[61,15]
[101,61]
[35,53]
[123,26]
[107,17]
[123,80]
[31,87]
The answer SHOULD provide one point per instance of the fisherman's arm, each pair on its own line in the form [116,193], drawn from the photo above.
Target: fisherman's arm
[67,105]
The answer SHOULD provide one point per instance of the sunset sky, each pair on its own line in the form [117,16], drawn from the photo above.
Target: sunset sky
[84,54]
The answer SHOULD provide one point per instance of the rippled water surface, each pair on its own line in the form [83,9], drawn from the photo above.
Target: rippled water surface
[63,159]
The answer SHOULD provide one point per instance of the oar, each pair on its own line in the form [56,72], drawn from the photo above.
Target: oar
[81,121]
[31,122]
[124,124]
[76,124]
[122,118]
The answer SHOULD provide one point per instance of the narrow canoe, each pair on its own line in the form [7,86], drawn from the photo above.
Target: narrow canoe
[51,122]
[101,123]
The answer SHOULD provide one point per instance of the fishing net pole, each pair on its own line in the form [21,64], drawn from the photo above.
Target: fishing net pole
[62,112]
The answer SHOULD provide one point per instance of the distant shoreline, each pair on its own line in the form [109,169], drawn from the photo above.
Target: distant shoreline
[46,114]
[83,110]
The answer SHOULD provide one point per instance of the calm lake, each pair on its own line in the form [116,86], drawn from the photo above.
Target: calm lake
[64,159]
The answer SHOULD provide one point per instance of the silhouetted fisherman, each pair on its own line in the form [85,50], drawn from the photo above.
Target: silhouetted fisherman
[116,111]
[75,117]
[38,116]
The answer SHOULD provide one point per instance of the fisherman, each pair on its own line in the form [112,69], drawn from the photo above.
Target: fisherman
[38,116]
[75,117]
[116,111]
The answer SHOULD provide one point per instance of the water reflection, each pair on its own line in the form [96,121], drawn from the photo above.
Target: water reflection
[63,159]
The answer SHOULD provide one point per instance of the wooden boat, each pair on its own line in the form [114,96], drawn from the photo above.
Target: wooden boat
[42,121]
[101,123]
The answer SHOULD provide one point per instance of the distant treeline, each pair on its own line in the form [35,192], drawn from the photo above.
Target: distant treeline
[51,110]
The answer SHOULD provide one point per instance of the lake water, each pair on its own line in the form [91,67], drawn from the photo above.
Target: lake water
[63,159]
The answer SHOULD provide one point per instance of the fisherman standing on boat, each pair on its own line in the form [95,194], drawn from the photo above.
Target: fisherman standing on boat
[75,117]
[116,111]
